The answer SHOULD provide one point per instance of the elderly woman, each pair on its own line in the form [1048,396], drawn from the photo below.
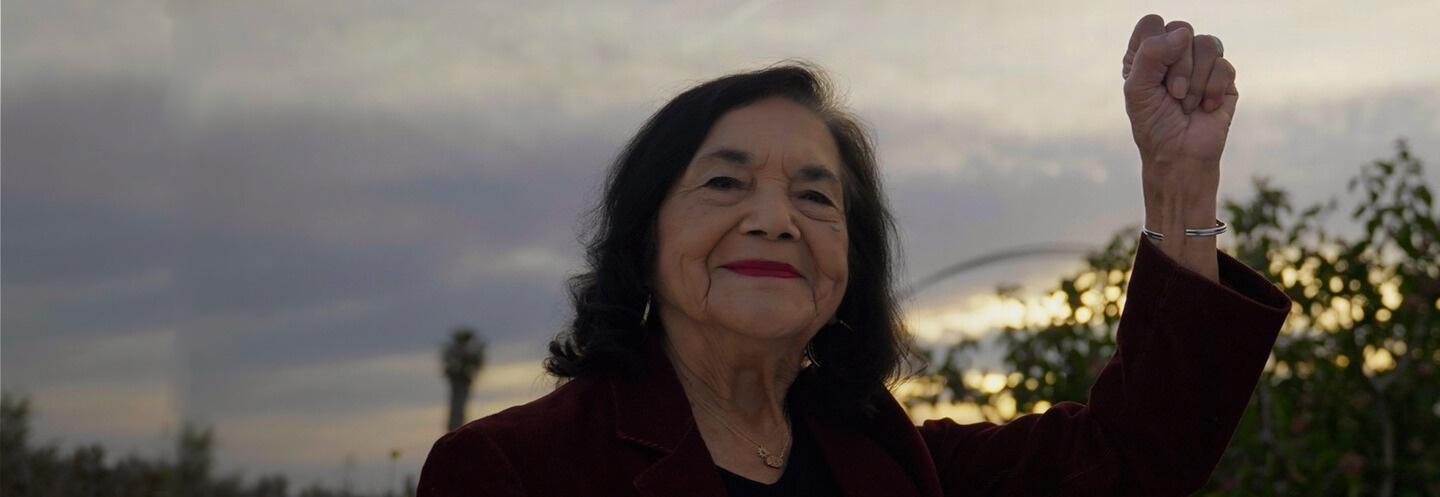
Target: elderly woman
[736,329]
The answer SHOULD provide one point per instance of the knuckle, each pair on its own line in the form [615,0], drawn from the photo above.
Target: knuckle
[1222,72]
[1151,48]
[1215,91]
[1223,82]
[1148,23]
[1145,27]
[1207,44]
[1174,25]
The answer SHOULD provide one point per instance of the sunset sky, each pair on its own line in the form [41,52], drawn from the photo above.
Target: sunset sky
[267,216]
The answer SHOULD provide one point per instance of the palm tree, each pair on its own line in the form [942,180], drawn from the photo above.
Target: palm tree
[394,458]
[463,357]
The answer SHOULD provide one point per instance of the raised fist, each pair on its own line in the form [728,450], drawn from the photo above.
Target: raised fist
[1179,92]
[1180,95]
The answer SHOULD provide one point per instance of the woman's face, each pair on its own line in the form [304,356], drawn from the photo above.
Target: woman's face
[765,185]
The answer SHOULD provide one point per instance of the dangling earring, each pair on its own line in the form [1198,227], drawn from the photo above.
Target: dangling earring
[810,354]
[645,315]
[810,347]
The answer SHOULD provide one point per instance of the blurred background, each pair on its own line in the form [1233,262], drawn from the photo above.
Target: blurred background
[237,236]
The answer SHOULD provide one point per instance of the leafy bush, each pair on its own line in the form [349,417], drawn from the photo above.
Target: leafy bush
[1349,403]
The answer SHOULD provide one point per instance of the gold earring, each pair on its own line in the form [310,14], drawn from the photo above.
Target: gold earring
[810,354]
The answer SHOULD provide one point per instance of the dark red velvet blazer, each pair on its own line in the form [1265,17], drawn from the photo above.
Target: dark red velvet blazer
[1157,420]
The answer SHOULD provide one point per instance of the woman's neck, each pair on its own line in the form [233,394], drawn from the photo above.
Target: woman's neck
[738,375]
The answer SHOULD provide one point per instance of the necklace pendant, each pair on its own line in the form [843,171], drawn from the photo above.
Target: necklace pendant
[760,451]
[774,462]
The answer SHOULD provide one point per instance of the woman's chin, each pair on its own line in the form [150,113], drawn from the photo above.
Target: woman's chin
[765,324]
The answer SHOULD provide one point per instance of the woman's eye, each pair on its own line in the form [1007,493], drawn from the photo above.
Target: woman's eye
[815,196]
[723,183]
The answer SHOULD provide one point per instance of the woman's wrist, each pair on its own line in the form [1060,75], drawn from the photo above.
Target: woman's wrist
[1179,204]
[1196,253]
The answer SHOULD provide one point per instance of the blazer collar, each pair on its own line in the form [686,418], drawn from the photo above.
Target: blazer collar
[652,411]
[885,458]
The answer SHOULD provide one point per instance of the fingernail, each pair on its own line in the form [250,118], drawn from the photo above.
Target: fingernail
[1211,105]
[1178,86]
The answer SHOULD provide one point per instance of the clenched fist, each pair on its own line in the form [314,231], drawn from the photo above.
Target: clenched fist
[1180,95]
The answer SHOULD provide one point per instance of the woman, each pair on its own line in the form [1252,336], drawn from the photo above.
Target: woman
[736,330]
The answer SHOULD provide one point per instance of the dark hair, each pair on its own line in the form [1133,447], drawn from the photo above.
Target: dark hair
[607,334]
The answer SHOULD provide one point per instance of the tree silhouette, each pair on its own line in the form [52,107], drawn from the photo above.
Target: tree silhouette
[1349,403]
[84,472]
[14,434]
[193,460]
[462,358]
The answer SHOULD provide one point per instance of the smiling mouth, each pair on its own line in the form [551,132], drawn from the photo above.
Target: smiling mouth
[763,269]
[763,273]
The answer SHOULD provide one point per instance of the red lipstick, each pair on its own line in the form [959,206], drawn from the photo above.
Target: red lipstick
[763,268]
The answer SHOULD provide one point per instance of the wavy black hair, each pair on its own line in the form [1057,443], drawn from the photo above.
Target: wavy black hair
[607,334]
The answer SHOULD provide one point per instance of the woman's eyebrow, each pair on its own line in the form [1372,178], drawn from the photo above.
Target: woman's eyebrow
[808,172]
[812,172]
[730,155]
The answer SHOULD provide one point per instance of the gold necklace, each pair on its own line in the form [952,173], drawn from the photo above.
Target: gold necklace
[776,461]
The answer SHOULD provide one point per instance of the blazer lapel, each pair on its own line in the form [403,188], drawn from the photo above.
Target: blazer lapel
[686,471]
[652,411]
[863,467]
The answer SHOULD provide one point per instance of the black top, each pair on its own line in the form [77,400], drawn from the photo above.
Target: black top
[805,473]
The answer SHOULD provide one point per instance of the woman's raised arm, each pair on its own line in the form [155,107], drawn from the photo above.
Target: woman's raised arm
[1180,96]
[1188,354]
[1197,326]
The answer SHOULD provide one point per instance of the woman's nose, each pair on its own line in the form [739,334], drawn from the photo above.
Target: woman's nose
[769,214]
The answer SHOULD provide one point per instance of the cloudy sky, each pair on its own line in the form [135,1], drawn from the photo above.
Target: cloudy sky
[266,216]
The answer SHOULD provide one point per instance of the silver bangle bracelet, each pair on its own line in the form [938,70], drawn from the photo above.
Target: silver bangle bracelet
[1219,228]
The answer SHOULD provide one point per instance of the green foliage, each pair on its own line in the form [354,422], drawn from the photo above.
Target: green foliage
[1350,402]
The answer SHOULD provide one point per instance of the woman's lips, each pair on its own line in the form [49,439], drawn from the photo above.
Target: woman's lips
[763,268]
